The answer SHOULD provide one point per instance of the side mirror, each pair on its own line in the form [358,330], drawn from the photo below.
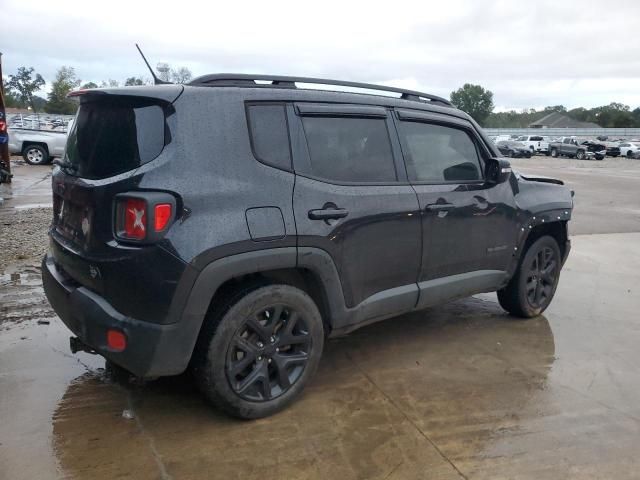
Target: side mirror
[497,170]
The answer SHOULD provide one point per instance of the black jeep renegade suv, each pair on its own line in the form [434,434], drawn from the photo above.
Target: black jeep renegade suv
[232,224]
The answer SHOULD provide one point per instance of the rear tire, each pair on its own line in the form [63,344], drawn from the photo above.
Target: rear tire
[259,350]
[554,152]
[35,155]
[532,287]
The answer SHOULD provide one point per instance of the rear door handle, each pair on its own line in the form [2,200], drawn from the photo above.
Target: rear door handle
[328,213]
[440,206]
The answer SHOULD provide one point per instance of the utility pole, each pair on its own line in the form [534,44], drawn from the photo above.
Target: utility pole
[5,162]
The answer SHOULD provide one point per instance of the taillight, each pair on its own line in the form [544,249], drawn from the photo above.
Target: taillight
[135,219]
[143,217]
[163,215]
[3,126]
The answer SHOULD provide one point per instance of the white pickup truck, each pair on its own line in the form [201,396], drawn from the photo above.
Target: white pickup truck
[536,143]
[37,147]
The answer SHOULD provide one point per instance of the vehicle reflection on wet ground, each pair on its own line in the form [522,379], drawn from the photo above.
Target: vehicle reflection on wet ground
[458,391]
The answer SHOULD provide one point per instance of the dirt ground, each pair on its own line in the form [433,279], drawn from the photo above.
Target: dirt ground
[460,391]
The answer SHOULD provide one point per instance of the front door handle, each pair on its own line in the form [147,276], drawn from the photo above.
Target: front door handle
[328,213]
[440,206]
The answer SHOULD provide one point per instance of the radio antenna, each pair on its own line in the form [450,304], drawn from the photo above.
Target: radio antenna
[156,80]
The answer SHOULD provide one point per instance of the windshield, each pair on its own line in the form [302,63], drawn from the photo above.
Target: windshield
[115,136]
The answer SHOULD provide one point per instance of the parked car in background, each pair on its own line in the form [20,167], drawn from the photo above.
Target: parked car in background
[629,148]
[513,149]
[501,138]
[569,147]
[535,143]
[613,149]
[599,149]
[5,176]
[37,147]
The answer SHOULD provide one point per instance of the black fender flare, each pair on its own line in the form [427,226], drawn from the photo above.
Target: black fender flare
[549,217]
[216,273]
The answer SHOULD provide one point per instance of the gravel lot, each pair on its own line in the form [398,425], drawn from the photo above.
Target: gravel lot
[23,235]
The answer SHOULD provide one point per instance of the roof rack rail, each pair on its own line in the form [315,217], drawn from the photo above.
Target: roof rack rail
[280,81]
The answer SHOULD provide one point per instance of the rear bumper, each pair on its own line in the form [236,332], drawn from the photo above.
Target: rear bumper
[152,349]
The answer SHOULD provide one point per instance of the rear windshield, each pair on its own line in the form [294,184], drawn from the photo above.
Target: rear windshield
[114,136]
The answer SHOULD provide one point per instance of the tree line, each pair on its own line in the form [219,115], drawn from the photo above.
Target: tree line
[20,91]
[478,102]
[21,88]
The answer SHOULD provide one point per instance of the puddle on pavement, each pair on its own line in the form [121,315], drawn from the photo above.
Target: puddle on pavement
[488,390]
[30,187]
[34,205]
[22,297]
[463,374]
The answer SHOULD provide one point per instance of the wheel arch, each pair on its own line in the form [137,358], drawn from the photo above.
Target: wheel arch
[554,223]
[558,230]
[27,143]
[310,269]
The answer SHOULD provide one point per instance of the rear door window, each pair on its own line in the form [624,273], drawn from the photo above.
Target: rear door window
[437,153]
[114,136]
[349,149]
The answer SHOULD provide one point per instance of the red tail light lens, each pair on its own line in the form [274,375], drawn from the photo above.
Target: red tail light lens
[144,217]
[135,219]
[116,340]
[3,126]
[162,216]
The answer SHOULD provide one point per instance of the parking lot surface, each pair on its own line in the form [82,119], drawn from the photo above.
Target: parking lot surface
[461,391]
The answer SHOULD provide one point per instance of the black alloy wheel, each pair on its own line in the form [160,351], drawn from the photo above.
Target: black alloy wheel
[260,345]
[541,278]
[268,353]
[534,283]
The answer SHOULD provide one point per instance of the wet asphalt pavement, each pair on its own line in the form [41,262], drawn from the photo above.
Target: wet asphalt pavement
[457,391]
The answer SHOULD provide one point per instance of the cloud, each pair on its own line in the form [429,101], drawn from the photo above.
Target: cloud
[536,53]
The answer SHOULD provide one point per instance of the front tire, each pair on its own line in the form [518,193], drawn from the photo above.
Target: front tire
[35,155]
[554,152]
[532,287]
[259,350]
[580,155]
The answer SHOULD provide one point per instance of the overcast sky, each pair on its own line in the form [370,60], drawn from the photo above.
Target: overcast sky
[529,54]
